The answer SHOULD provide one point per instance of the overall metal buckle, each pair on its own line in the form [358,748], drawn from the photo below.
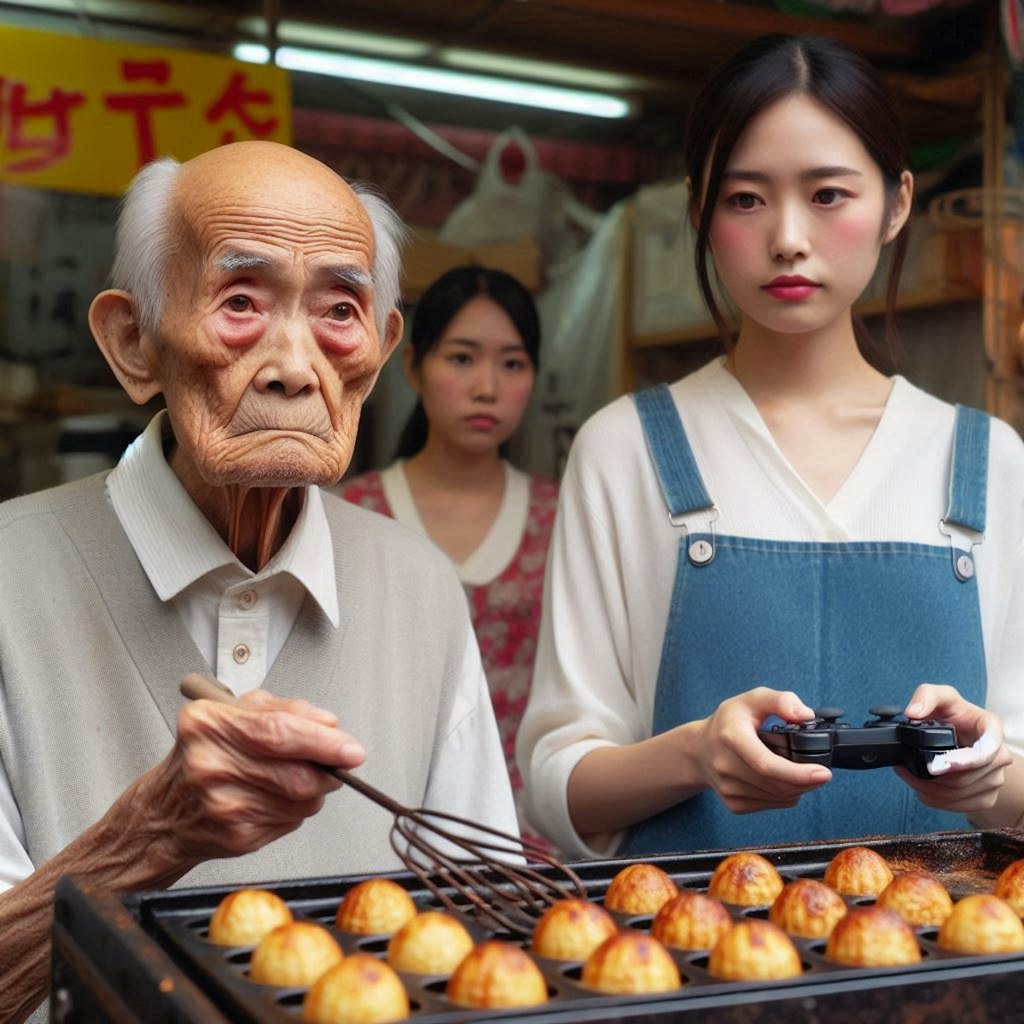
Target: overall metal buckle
[963,541]
[701,552]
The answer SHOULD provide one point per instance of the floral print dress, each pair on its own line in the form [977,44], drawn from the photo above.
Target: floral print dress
[503,579]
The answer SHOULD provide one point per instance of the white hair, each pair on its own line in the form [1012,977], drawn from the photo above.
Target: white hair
[145,241]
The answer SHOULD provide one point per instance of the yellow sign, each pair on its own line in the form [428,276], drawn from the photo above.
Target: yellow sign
[83,115]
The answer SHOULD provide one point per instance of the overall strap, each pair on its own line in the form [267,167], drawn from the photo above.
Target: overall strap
[968,473]
[968,483]
[680,479]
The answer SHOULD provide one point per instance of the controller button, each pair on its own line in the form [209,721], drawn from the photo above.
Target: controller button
[829,714]
[885,711]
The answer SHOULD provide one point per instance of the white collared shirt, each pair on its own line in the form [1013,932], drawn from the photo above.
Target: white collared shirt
[239,619]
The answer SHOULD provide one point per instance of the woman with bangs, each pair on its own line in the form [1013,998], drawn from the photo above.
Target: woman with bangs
[791,527]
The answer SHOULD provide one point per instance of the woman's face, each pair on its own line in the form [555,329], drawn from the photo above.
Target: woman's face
[801,218]
[475,382]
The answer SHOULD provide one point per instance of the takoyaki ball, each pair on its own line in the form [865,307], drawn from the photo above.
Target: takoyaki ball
[691,920]
[376,906]
[754,950]
[359,990]
[572,929]
[430,943]
[808,909]
[982,924]
[631,962]
[746,879]
[243,917]
[1010,886]
[872,937]
[639,889]
[497,975]
[918,898]
[858,871]
[294,954]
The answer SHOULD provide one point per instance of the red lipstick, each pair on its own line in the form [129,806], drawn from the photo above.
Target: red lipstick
[791,288]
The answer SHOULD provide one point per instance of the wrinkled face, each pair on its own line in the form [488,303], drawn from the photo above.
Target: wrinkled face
[267,345]
[476,380]
[801,218]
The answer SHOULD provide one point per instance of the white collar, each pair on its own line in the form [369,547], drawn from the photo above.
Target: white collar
[177,545]
[495,552]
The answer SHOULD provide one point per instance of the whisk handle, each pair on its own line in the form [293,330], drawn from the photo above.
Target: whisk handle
[197,687]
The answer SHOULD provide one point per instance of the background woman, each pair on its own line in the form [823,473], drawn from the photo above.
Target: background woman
[763,537]
[472,359]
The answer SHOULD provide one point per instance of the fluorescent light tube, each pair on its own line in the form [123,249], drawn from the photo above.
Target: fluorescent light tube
[410,76]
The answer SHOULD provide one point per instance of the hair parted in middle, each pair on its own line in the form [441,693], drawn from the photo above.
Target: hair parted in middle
[440,304]
[769,69]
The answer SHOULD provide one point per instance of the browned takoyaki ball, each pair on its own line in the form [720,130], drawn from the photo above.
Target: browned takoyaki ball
[359,990]
[639,889]
[243,917]
[572,929]
[429,943]
[808,909]
[1010,886]
[376,906]
[754,950]
[691,920]
[497,975]
[746,879]
[294,954]
[858,871]
[918,898]
[982,924]
[631,962]
[872,937]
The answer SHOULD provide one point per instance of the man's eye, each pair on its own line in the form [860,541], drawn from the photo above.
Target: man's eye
[239,303]
[342,311]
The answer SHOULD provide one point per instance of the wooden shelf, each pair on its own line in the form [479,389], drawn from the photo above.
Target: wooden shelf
[925,299]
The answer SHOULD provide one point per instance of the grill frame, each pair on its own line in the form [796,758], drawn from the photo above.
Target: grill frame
[142,957]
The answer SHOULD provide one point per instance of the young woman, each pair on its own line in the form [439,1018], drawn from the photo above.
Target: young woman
[787,528]
[472,359]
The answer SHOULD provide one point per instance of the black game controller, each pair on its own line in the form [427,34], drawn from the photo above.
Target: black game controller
[888,740]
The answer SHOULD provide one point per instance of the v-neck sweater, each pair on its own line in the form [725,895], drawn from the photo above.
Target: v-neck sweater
[91,660]
[613,558]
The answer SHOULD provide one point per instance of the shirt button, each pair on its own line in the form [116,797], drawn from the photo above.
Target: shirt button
[248,599]
[241,654]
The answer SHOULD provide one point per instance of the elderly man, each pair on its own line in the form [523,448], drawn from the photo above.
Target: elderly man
[256,292]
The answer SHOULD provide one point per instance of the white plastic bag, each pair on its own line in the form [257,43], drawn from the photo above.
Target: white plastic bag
[539,207]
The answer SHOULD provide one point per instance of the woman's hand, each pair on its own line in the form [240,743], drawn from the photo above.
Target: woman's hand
[740,768]
[969,778]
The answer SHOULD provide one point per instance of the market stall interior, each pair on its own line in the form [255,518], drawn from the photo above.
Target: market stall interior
[584,203]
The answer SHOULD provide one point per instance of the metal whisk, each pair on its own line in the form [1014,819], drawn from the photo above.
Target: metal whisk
[497,877]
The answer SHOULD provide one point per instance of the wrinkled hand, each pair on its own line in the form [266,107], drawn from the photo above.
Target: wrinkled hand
[969,778]
[737,765]
[241,776]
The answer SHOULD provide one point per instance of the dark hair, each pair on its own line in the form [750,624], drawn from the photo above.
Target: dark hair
[769,69]
[440,304]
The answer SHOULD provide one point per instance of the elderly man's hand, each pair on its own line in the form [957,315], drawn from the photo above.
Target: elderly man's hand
[241,776]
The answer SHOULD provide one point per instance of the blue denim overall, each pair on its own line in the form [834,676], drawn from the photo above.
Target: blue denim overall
[843,624]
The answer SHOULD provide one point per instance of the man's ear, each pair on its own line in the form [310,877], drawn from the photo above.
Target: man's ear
[902,203]
[392,333]
[113,323]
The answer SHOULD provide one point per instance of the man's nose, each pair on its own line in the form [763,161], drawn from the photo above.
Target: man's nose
[790,237]
[289,359]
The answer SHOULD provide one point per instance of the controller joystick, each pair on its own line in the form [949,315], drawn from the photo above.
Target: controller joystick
[888,740]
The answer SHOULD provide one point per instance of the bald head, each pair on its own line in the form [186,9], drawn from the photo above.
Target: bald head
[168,202]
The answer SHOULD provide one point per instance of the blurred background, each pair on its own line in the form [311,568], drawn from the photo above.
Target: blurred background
[542,137]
